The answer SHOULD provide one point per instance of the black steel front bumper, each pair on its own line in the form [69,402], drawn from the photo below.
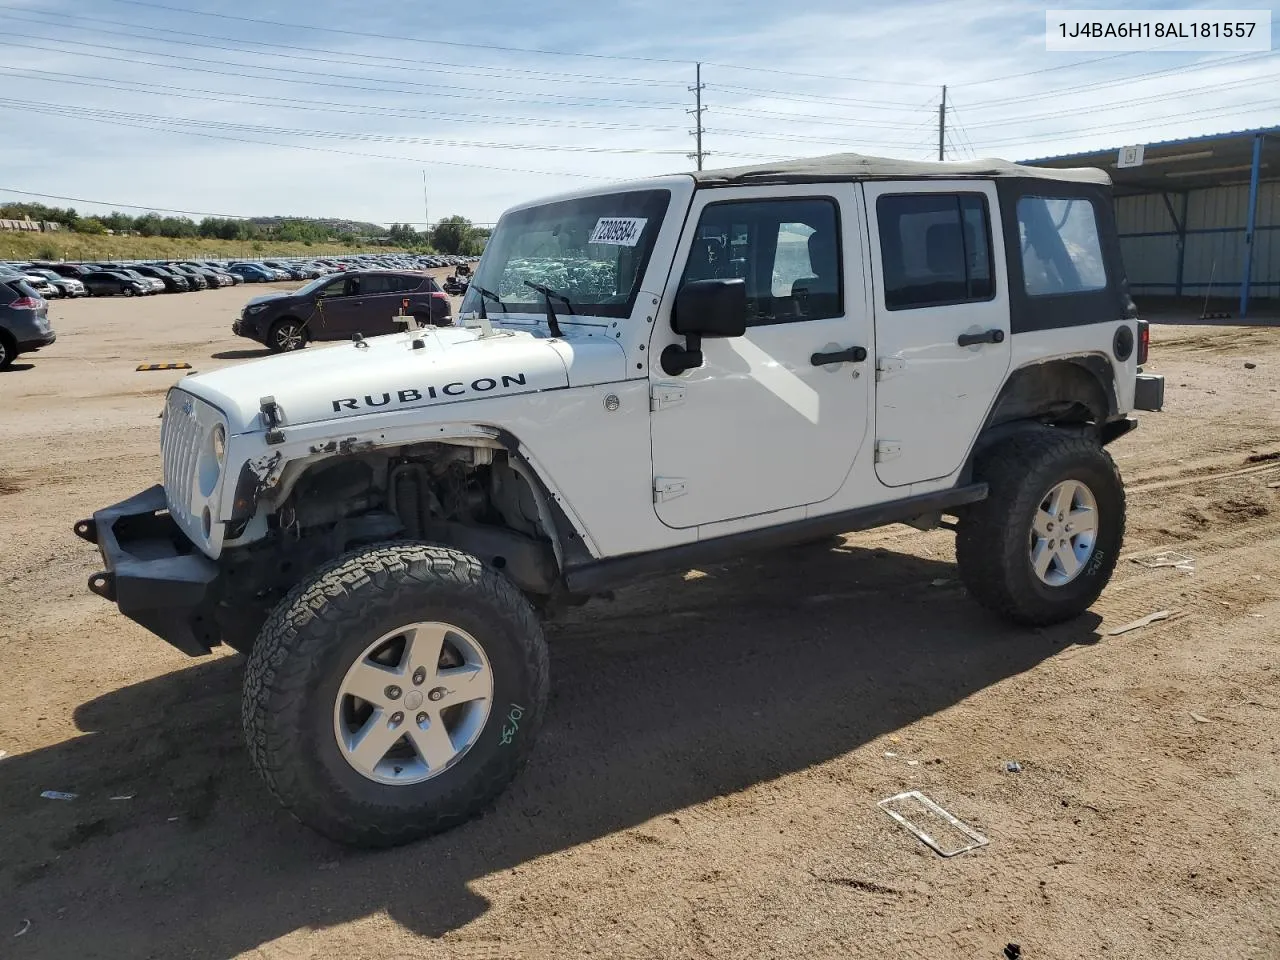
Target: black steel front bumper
[153,573]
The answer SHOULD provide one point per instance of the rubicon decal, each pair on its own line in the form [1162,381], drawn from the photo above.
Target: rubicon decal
[458,388]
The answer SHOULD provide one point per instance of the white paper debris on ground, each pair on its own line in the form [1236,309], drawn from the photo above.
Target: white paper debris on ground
[1198,718]
[58,795]
[1142,622]
[124,796]
[26,925]
[937,828]
[1166,558]
[3,754]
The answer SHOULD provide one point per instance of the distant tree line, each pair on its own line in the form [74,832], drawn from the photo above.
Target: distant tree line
[451,235]
[456,235]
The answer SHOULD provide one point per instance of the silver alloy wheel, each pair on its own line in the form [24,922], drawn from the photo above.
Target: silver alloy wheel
[289,337]
[413,703]
[1064,532]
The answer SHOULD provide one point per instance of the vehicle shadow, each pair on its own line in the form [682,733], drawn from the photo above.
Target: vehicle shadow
[15,367]
[683,689]
[241,354]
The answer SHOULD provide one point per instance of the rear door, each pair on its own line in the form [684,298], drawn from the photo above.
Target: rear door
[380,298]
[941,319]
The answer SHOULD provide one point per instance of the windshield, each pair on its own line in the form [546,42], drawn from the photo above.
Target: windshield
[312,285]
[593,250]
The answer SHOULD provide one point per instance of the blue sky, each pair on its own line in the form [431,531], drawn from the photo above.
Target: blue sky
[157,105]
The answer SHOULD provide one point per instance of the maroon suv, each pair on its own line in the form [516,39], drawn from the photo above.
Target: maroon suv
[337,307]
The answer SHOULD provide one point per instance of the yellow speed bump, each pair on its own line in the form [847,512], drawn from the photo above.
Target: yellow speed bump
[163,366]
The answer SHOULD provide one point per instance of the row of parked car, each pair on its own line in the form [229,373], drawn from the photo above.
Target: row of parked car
[362,298]
[50,280]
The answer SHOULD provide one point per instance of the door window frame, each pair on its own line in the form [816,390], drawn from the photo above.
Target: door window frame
[841,306]
[991,253]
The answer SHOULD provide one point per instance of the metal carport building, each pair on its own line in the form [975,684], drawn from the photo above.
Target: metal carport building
[1198,220]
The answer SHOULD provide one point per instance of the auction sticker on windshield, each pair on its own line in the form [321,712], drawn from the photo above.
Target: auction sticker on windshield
[619,231]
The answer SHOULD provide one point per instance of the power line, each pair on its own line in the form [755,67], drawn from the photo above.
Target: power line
[74,110]
[318,106]
[1179,95]
[558,77]
[321,79]
[808,98]
[1154,122]
[1137,78]
[418,161]
[401,38]
[126,206]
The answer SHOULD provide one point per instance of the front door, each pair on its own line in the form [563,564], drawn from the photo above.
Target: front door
[338,307]
[769,420]
[942,322]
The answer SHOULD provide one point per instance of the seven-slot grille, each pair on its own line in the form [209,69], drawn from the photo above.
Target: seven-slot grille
[182,437]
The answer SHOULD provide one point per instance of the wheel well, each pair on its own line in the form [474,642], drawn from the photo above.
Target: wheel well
[1075,390]
[9,341]
[475,495]
[1071,393]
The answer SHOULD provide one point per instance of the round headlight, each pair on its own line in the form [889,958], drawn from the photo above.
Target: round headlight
[219,445]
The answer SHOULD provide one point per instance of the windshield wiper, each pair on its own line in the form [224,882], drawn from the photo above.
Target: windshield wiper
[488,295]
[549,295]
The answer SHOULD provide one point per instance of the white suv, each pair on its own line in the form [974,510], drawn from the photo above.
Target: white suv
[648,376]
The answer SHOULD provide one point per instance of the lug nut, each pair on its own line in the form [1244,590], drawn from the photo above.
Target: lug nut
[393,692]
[397,718]
[419,676]
[436,694]
[422,718]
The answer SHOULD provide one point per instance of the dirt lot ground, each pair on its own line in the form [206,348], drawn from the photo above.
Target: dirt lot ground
[707,780]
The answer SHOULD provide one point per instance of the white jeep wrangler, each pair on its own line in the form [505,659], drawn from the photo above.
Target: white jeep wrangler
[648,376]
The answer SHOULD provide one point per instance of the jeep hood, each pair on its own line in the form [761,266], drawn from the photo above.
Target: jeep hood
[454,365]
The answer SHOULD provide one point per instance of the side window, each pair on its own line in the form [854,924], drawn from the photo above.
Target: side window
[1061,252]
[787,251]
[378,283]
[935,249]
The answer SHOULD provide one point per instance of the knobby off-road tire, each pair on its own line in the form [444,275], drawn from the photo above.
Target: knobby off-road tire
[997,539]
[311,644]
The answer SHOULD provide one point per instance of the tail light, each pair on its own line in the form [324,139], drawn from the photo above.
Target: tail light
[27,303]
[1144,341]
[439,295]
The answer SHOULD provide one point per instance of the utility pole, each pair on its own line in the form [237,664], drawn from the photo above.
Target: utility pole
[942,124]
[698,110]
[426,213]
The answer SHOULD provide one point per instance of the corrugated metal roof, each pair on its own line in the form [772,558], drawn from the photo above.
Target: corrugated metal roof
[1173,166]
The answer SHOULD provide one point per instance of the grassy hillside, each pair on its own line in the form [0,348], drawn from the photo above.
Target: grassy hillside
[75,246]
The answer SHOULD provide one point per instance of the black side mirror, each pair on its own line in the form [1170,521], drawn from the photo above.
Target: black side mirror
[704,308]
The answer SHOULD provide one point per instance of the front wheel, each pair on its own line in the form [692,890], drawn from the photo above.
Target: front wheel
[127,291]
[395,693]
[285,336]
[1043,545]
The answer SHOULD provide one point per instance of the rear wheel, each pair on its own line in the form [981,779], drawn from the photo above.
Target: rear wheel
[127,291]
[1043,545]
[395,693]
[286,335]
[8,350]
